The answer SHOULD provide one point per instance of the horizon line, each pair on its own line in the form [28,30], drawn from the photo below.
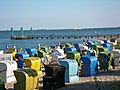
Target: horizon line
[74,28]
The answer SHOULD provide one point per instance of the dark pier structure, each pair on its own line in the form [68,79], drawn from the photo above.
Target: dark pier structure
[22,36]
[61,37]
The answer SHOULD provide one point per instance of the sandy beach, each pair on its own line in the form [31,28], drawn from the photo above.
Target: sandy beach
[103,81]
[45,43]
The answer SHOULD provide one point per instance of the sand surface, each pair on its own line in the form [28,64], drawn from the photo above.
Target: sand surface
[103,81]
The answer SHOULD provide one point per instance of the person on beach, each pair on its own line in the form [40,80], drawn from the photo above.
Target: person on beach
[58,46]
[38,47]
[14,47]
[14,53]
[6,47]
[83,40]
[20,50]
[25,51]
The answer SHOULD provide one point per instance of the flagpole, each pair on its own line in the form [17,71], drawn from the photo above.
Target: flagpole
[21,29]
[12,31]
[31,30]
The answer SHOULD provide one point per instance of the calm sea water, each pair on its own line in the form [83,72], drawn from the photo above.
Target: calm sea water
[6,40]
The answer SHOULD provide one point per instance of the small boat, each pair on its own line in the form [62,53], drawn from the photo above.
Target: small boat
[76,28]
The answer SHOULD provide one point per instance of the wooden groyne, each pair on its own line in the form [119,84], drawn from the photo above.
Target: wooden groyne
[22,37]
[62,37]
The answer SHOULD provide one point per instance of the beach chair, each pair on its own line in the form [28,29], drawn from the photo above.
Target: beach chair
[45,49]
[110,60]
[68,49]
[6,70]
[27,79]
[20,56]
[102,49]
[106,45]
[71,72]
[68,45]
[54,77]
[89,65]
[89,43]
[12,51]
[41,53]
[34,63]
[77,46]
[96,48]
[116,53]
[31,51]
[74,56]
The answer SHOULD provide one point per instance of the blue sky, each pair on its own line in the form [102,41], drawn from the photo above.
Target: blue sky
[59,13]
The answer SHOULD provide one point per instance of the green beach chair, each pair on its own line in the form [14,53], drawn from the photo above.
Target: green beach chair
[68,45]
[102,49]
[95,47]
[45,49]
[74,56]
[110,60]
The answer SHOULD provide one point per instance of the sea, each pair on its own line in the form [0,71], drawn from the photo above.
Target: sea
[5,36]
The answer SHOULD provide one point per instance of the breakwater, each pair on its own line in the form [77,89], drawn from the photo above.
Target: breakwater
[18,37]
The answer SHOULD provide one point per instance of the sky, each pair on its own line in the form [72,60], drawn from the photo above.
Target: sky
[42,14]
